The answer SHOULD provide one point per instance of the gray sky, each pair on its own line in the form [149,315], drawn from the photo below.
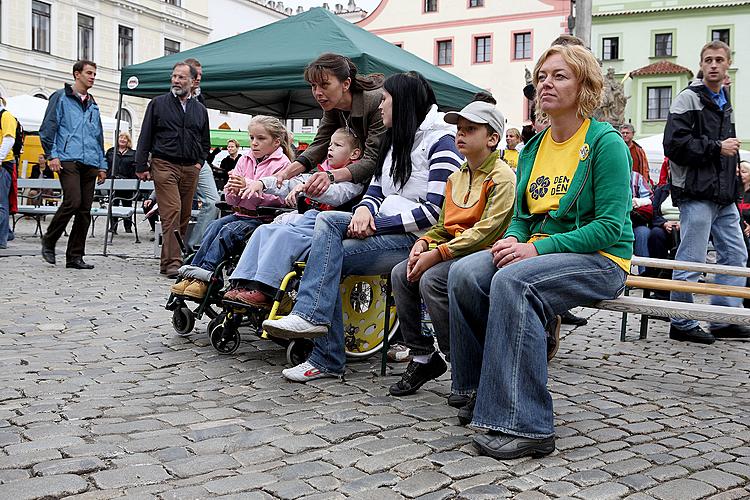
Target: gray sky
[368,5]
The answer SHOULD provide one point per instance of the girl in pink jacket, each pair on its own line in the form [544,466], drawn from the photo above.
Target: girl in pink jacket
[271,152]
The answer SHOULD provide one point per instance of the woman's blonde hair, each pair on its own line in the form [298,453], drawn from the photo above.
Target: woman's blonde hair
[586,70]
[275,129]
[514,132]
[127,136]
[745,164]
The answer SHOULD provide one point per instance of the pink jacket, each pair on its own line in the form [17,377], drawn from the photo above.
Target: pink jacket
[248,167]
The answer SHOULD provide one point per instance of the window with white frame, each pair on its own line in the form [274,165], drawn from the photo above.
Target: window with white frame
[522,45]
[610,48]
[40,26]
[444,52]
[85,37]
[483,49]
[125,46]
[663,45]
[171,47]
[658,101]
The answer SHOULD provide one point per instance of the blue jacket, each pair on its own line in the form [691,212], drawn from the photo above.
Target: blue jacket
[72,130]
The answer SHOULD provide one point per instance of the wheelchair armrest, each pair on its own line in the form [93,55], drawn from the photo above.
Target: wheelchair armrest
[274,211]
[223,206]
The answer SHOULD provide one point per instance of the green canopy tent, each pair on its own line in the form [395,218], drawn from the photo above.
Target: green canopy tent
[260,71]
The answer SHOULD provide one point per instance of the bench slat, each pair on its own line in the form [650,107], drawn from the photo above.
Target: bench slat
[691,266]
[682,310]
[687,287]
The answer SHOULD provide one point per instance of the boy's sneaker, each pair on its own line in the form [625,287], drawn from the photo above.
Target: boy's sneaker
[179,287]
[304,372]
[293,327]
[399,353]
[197,289]
[417,374]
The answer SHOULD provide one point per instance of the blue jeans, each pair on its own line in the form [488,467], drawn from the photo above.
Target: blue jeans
[272,250]
[6,182]
[208,195]
[334,256]
[498,341]
[698,220]
[234,230]
[640,247]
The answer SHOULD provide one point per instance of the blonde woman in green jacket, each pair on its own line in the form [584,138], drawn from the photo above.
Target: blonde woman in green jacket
[569,244]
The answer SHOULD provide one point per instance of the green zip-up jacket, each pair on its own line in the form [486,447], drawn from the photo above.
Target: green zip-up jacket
[594,215]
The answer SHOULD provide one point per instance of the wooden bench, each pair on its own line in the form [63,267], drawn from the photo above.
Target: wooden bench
[647,306]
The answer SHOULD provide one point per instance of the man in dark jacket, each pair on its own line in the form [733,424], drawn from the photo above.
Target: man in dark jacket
[175,132]
[73,141]
[701,144]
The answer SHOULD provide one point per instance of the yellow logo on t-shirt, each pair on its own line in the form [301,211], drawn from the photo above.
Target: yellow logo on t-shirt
[584,152]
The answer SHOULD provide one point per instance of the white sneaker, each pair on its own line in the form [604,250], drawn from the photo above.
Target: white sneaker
[293,327]
[304,372]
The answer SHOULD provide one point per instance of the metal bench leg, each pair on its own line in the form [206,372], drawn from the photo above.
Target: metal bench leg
[135,229]
[644,318]
[624,325]
[386,326]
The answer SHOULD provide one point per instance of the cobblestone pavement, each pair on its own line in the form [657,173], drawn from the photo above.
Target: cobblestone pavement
[100,399]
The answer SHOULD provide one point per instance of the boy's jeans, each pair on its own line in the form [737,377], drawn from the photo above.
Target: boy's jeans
[498,340]
[331,257]
[698,220]
[432,288]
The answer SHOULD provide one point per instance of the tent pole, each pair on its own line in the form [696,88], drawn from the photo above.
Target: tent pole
[114,167]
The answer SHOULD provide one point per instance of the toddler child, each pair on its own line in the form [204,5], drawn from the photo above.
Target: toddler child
[274,248]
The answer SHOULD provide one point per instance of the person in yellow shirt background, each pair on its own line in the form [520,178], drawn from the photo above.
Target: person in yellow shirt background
[510,154]
[7,172]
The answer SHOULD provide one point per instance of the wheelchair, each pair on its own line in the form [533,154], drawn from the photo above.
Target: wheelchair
[363,298]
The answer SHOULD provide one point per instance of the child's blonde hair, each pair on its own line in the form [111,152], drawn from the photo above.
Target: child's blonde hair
[275,129]
[351,137]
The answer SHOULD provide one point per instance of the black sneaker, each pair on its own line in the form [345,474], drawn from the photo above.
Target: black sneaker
[695,334]
[458,400]
[506,447]
[466,414]
[417,374]
[731,332]
[568,318]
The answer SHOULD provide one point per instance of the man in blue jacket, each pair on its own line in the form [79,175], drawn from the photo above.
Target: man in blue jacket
[73,142]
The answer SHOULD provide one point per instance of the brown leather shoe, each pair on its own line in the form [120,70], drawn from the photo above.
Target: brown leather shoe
[254,298]
[179,287]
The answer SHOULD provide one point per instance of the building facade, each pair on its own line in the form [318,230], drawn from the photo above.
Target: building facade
[654,48]
[490,43]
[40,41]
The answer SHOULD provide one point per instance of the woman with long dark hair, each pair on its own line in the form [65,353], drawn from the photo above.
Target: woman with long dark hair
[417,155]
[349,100]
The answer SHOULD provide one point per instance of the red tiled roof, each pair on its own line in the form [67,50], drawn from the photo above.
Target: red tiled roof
[661,68]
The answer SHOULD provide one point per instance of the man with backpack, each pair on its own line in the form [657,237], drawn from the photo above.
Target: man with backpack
[73,141]
[8,126]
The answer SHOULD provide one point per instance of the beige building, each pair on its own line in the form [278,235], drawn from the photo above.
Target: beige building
[40,41]
[489,43]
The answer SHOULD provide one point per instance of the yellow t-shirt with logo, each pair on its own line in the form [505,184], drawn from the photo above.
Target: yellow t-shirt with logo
[511,158]
[554,167]
[8,128]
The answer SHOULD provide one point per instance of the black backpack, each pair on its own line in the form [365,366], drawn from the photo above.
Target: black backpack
[20,136]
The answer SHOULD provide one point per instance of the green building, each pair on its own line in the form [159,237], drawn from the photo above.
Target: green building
[654,47]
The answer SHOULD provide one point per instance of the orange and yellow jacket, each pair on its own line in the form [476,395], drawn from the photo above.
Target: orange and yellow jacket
[477,209]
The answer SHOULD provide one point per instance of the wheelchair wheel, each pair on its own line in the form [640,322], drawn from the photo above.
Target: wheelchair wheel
[363,307]
[298,351]
[225,337]
[183,321]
